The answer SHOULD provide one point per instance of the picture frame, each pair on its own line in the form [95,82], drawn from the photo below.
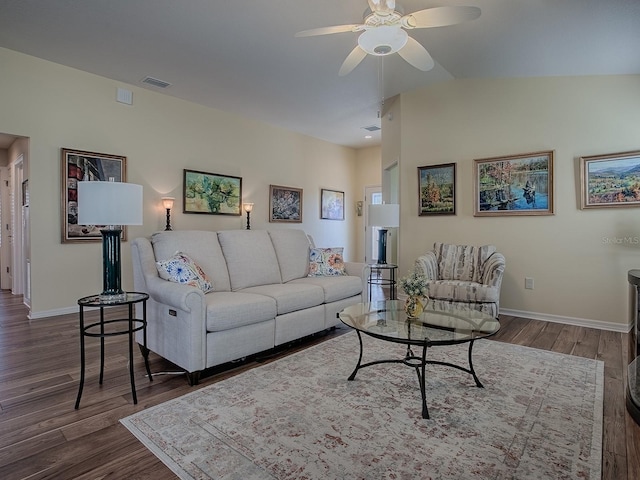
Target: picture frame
[331,204]
[514,185]
[211,193]
[611,180]
[285,204]
[437,189]
[77,166]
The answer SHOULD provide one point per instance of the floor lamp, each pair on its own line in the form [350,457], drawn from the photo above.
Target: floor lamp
[383,216]
[110,205]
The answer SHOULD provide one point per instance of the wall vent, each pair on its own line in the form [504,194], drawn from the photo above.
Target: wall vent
[155,82]
[372,128]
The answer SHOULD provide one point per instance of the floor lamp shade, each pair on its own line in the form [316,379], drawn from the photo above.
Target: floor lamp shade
[110,205]
[383,216]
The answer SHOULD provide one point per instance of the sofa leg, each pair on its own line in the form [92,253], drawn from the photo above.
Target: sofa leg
[193,378]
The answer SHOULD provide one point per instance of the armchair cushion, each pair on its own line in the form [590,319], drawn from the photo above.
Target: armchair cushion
[461,291]
[462,262]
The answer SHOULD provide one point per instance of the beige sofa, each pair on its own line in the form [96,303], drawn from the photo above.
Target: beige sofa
[262,295]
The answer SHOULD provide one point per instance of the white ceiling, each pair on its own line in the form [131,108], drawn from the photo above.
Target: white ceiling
[241,56]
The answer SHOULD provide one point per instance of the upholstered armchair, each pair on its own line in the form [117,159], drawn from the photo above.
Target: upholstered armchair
[463,274]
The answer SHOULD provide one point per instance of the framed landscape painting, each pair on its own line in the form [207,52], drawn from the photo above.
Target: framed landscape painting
[514,185]
[80,166]
[331,205]
[437,189]
[211,193]
[611,180]
[285,204]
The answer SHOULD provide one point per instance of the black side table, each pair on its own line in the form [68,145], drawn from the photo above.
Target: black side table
[97,329]
[376,278]
[633,370]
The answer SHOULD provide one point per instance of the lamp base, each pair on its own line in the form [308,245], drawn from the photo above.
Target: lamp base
[382,246]
[112,297]
[111,278]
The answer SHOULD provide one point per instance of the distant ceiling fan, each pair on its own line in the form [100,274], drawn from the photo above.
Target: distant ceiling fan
[384,32]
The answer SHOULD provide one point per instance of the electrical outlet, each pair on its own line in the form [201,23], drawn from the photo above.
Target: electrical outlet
[528,283]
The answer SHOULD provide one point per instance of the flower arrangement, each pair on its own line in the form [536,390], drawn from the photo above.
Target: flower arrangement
[414,284]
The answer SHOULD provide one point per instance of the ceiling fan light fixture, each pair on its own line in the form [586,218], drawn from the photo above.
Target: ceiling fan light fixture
[383,40]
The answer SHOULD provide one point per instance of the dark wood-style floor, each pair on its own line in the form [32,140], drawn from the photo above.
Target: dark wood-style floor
[42,436]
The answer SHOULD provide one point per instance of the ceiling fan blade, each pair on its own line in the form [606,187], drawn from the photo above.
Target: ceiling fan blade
[352,61]
[440,17]
[329,30]
[416,55]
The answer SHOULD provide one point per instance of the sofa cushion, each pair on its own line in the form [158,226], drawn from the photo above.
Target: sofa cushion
[290,297]
[226,310]
[181,268]
[201,246]
[461,291]
[461,262]
[334,288]
[325,262]
[251,258]
[292,250]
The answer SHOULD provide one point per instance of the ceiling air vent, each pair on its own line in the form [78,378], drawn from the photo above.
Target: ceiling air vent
[372,128]
[155,82]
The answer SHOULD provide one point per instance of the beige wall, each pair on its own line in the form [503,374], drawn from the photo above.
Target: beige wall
[578,258]
[58,107]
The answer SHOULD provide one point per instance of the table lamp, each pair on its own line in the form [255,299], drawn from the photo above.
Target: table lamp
[383,216]
[110,205]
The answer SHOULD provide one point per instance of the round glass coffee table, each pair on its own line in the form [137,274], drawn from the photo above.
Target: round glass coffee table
[387,321]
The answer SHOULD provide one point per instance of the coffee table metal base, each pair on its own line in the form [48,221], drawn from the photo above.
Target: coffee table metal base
[419,363]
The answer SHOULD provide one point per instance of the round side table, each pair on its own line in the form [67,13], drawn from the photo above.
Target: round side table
[123,326]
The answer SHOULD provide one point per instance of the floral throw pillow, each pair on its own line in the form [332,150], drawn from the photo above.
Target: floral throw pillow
[325,262]
[182,269]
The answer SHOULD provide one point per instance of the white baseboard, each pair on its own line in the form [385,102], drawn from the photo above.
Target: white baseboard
[578,322]
[52,313]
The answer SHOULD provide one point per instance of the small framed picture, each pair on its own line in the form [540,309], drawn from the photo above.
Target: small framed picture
[211,193]
[78,166]
[331,205]
[437,189]
[611,180]
[285,204]
[514,185]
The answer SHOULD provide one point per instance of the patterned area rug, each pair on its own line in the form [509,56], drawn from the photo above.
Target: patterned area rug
[538,417]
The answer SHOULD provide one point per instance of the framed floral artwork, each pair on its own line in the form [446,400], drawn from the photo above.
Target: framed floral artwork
[285,204]
[211,193]
[331,205]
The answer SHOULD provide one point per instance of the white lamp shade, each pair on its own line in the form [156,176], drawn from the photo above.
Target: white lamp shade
[167,202]
[384,215]
[109,203]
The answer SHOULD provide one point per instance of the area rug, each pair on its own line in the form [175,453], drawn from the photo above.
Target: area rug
[538,417]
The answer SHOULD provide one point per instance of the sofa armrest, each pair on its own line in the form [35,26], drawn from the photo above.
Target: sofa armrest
[493,270]
[358,269]
[180,296]
[427,265]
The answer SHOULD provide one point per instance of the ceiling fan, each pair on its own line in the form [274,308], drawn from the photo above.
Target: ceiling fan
[384,32]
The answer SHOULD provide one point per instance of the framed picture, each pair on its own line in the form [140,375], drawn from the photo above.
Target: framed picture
[611,180]
[437,189]
[514,185]
[80,166]
[285,204]
[331,205]
[211,193]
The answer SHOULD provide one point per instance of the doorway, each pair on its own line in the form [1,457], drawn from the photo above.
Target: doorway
[372,196]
